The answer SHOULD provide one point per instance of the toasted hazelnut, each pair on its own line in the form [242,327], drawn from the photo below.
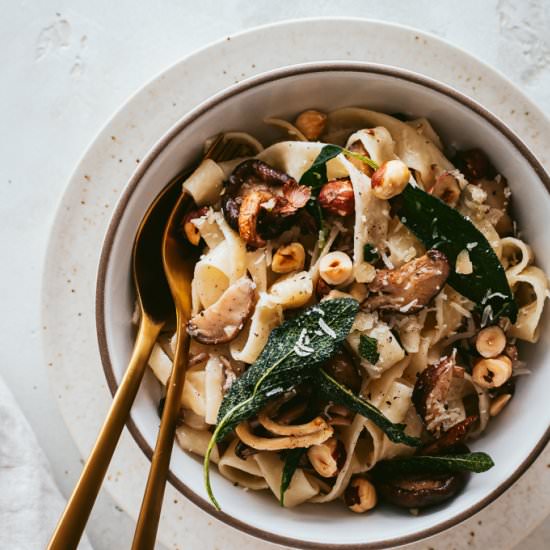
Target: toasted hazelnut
[498,403]
[288,258]
[492,373]
[360,495]
[311,123]
[191,231]
[335,268]
[337,197]
[490,341]
[327,458]
[390,179]
[447,189]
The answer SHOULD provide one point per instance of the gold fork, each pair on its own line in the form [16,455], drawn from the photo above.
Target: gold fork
[178,261]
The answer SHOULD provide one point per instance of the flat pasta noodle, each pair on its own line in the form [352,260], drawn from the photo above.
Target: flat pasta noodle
[245,473]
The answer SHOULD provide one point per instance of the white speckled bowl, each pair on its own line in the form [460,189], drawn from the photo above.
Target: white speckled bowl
[513,440]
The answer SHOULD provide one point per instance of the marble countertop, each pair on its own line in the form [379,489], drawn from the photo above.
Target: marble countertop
[68,66]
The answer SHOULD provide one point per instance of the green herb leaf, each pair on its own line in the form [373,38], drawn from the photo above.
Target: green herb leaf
[370,253]
[438,225]
[291,354]
[292,459]
[337,393]
[468,462]
[316,175]
[368,349]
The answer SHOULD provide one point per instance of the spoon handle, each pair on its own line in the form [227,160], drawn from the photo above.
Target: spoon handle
[149,514]
[71,525]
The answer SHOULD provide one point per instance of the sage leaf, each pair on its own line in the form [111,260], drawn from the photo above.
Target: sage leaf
[368,349]
[316,175]
[439,226]
[341,395]
[437,464]
[292,459]
[292,352]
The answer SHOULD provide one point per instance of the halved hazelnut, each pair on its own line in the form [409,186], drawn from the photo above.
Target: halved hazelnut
[289,258]
[335,268]
[190,230]
[493,372]
[327,458]
[490,341]
[360,495]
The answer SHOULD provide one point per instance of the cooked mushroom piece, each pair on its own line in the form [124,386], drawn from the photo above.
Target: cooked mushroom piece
[260,201]
[342,368]
[420,491]
[450,438]
[409,288]
[430,393]
[224,319]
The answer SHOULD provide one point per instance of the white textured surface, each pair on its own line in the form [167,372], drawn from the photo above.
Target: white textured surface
[67,66]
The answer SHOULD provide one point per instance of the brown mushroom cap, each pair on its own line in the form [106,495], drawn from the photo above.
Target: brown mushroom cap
[430,392]
[421,490]
[224,319]
[410,287]
[342,368]
[260,201]
[452,437]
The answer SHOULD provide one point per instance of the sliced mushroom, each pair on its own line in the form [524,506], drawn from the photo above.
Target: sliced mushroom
[277,428]
[259,443]
[430,393]
[452,437]
[420,491]
[224,319]
[411,287]
[260,201]
[342,368]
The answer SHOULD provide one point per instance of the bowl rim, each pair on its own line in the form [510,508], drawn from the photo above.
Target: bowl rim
[133,182]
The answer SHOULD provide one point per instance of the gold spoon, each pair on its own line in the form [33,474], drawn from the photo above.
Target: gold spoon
[157,308]
[179,262]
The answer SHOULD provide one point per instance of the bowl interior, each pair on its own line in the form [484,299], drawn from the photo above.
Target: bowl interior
[512,437]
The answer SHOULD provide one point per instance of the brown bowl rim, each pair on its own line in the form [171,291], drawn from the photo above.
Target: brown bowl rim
[286,72]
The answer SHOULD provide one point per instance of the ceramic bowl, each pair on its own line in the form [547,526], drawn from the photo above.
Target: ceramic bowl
[514,439]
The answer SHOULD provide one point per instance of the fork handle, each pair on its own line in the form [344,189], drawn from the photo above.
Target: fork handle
[149,514]
[69,529]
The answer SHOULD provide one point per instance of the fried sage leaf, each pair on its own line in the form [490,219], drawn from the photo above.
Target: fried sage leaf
[292,352]
[439,226]
[438,464]
[337,393]
[368,349]
[316,175]
[292,459]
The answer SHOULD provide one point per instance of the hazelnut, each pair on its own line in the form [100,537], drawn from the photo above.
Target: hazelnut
[327,458]
[360,495]
[190,230]
[390,179]
[490,341]
[288,258]
[337,197]
[311,123]
[447,189]
[492,373]
[498,403]
[335,268]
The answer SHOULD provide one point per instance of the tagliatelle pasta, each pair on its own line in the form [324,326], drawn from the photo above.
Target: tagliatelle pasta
[300,223]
